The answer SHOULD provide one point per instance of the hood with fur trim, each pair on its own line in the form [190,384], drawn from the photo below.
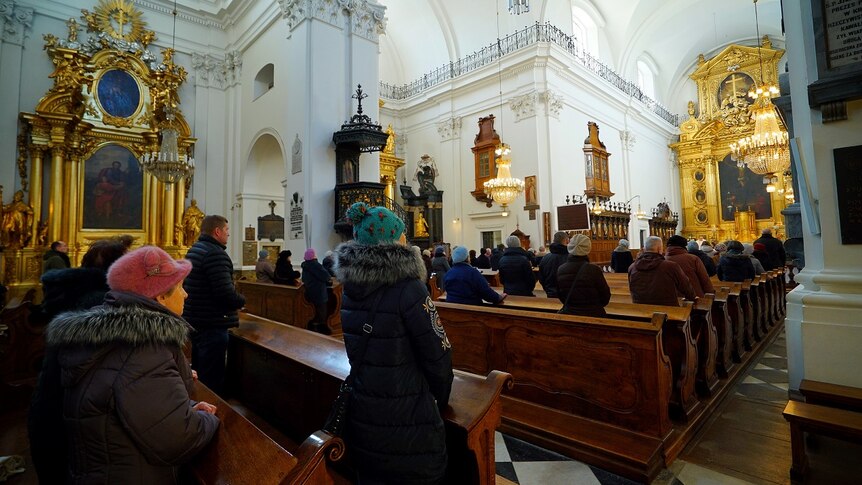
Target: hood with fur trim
[363,268]
[132,325]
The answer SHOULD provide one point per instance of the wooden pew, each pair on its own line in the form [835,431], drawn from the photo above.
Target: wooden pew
[290,377]
[22,348]
[240,453]
[596,389]
[287,304]
[834,395]
[724,331]
[812,418]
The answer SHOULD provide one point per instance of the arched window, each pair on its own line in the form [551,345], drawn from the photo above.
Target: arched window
[264,81]
[646,79]
[586,31]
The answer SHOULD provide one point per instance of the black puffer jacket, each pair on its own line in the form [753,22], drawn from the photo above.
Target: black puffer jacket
[213,301]
[516,272]
[735,267]
[394,431]
[115,391]
[548,267]
[591,292]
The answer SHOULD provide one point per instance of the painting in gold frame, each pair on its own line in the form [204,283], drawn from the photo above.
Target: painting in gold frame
[113,195]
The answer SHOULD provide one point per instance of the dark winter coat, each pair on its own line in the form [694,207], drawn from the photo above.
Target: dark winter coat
[285,274]
[496,255]
[116,388]
[440,265]
[775,249]
[465,284]
[264,271]
[548,267]
[763,257]
[590,294]
[708,263]
[621,259]
[213,300]
[72,289]
[327,265]
[394,429]
[735,267]
[656,281]
[55,260]
[693,268]
[516,272]
[483,261]
[316,279]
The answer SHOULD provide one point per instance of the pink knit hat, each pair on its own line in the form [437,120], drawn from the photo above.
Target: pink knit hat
[309,254]
[147,271]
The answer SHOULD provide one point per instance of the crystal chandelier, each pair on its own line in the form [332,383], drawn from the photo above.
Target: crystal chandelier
[766,151]
[504,188]
[517,7]
[167,165]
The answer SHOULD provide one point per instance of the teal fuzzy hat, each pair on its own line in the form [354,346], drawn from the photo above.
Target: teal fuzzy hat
[374,225]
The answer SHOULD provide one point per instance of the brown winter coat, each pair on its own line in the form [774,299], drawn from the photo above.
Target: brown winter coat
[590,294]
[693,267]
[654,280]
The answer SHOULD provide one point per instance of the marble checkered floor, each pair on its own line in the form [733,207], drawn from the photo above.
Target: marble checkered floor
[526,464]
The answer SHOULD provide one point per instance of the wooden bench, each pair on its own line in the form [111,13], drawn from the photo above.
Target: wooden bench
[824,420]
[596,389]
[22,348]
[288,304]
[290,377]
[834,395]
[241,454]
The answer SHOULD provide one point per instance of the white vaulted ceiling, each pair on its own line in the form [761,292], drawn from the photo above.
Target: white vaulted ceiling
[424,34]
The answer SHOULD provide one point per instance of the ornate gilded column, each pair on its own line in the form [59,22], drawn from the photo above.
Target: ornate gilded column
[70,207]
[179,205]
[55,204]
[169,207]
[156,188]
[36,154]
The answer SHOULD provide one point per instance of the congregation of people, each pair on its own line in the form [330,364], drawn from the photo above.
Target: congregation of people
[116,383]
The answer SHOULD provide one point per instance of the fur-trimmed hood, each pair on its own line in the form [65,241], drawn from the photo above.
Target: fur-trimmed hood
[364,268]
[132,325]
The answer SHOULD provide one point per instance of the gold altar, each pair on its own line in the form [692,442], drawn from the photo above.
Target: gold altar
[720,200]
[82,143]
[389,164]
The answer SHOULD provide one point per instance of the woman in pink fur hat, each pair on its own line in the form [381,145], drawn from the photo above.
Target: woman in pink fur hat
[112,404]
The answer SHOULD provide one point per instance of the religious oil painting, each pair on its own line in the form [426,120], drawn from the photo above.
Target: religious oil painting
[113,190]
[530,190]
[742,189]
[118,93]
[735,85]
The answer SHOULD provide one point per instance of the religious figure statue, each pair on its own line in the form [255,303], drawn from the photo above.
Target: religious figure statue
[17,222]
[43,234]
[191,221]
[420,228]
[178,234]
[691,109]
[426,172]
[73,30]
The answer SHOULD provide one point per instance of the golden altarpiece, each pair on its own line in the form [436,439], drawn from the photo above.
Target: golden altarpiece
[721,200]
[84,139]
[389,164]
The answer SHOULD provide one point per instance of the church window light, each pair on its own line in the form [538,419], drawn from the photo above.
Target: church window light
[646,79]
[585,32]
[264,81]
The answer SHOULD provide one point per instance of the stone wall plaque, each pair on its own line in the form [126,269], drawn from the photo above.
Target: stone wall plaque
[848,183]
[296,213]
[842,20]
[838,46]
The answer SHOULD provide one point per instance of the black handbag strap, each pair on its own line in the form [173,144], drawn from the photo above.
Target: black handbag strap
[580,270]
[367,328]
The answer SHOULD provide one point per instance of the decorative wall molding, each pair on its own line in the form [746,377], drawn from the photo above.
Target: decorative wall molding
[553,103]
[211,72]
[367,18]
[628,140]
[15,22]
[449,129]
[202,18]
[524,106]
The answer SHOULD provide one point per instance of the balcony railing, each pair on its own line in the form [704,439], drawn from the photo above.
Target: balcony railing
[523,38]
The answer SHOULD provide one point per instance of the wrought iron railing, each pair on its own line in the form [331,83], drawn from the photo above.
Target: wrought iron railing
[528,36]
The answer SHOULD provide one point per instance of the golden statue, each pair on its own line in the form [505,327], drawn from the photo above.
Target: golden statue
[192,219]
[73,30]
[421,227]
[17,222]
[178,234]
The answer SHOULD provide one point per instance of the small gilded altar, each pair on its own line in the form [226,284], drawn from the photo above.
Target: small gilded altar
[721,200]
[79,149]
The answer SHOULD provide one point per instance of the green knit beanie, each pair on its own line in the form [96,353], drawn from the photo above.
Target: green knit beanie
[374,225]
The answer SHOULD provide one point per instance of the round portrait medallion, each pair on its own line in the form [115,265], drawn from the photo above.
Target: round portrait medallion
[701,217]
[118,93]
[699,176]
[700,196]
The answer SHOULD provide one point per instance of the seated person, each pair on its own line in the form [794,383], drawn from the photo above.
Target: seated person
[706,259]
[581,286]
[516,271]
[734,265]
[691,265]
[621,257]
[655,280]
[551,262]
[748,250]
[465,284]
[284,272]
[440,265]
[263,269]
[316,279]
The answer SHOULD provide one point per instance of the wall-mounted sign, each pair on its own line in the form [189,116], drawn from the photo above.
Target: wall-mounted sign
[296,213]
